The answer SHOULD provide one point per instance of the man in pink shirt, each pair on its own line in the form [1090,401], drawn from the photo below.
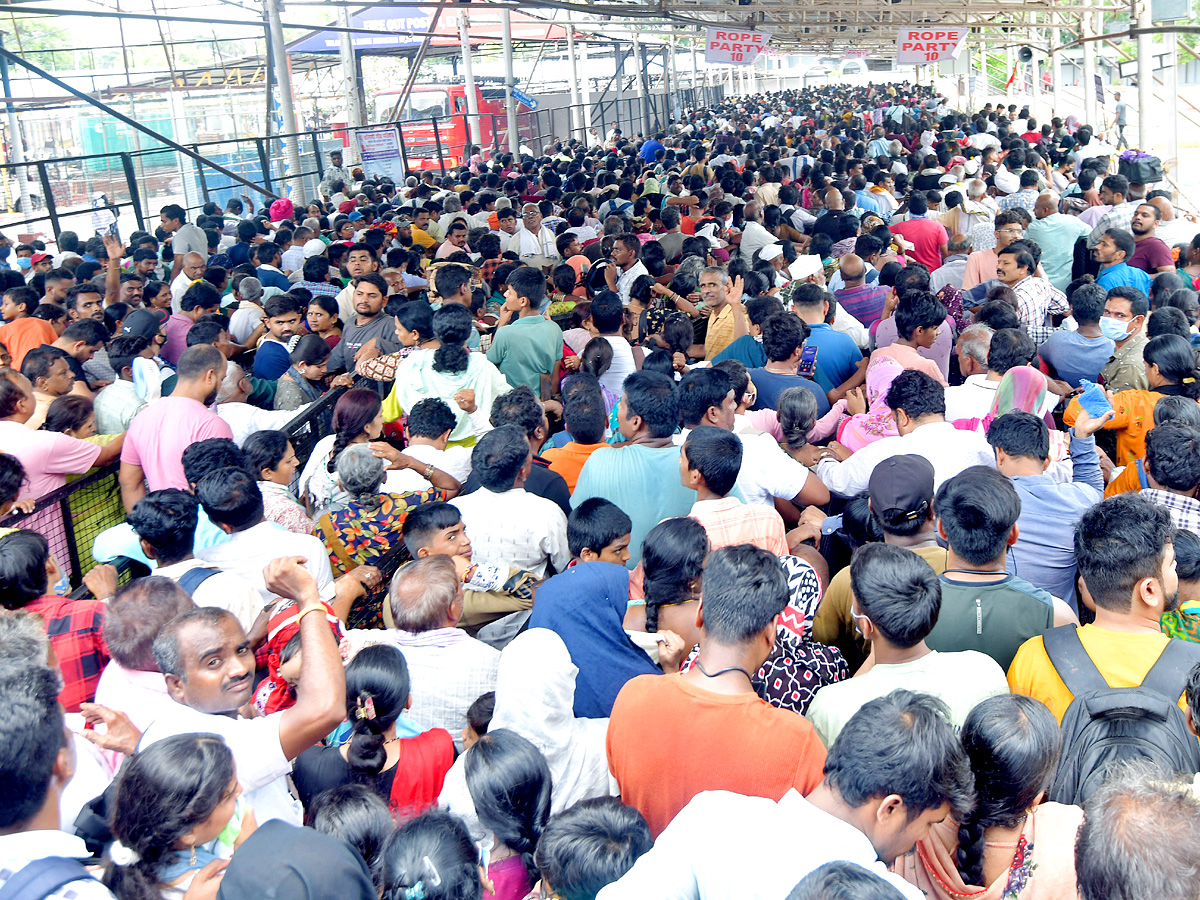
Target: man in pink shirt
[981,265]
[159,434]
[928,236]
[47,456]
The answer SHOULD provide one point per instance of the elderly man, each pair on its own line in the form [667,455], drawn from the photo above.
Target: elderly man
[448,668]
[534,243]
[954,269]
[242,418]
[727,320]
[1056,234]
[193,270]
[754,235]
[863,301]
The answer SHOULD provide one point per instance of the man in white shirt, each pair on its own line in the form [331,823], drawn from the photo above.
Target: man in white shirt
[165,523]
[896,600]
[242,418]
[626,266]
[449,670]
[233,500]
[875,803]
[193,270]
[208,665]
[707,396]
[534,240]
[505,521]
[754,235]
[919,406]
[427,430]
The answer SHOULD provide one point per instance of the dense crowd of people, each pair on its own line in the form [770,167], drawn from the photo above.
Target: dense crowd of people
[799,502]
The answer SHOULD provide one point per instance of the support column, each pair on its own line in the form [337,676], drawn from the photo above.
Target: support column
[1140,15]
[1056,68]
[575,118]
[350,82]
[16,143]
[639,76]
[510,107]
[464,39]
[693,56]
[1087,29]
[1010,63]
[587,93]
[285,121]
[1171,44]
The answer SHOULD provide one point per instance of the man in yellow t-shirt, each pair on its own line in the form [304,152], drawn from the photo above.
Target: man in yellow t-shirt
[1127,562]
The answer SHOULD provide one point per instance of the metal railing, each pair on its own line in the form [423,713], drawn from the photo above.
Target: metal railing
[82,193]
[71,517]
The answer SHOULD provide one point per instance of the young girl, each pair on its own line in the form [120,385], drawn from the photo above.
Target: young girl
[406,770]
[432,857]
[178,807]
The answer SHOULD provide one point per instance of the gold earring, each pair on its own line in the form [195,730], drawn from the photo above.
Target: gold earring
[192,859]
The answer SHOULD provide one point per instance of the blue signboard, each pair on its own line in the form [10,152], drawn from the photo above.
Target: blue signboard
[522,97]
[384,18]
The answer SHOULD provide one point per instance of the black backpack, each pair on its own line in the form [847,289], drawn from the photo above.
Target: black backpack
[1104,726]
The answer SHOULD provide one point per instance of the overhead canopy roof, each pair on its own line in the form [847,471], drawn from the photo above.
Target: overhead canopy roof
[832,26]
[403,27]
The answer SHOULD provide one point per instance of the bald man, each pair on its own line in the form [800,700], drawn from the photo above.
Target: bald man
[1056,234]
[863,301]
[193,270]
[754,235]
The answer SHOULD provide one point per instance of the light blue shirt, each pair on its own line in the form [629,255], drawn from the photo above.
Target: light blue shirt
[1044,554]
[1056,235]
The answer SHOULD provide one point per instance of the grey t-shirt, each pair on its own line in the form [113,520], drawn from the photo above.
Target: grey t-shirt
[190,239]
[382,328]
[1120,110]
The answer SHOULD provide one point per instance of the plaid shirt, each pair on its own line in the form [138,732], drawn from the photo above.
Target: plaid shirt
[1119,217]
[1185,511]
[319,289]
[76,632]
[1036,299]
[729,521]
[1026,199]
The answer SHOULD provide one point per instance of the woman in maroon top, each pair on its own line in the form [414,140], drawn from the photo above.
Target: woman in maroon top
[406,771]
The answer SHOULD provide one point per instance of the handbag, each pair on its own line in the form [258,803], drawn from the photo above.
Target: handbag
[1140,168]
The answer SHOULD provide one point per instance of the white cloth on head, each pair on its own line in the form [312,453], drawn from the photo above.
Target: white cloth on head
[535,696]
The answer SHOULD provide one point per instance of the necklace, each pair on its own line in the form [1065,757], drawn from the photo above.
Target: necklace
[707,674]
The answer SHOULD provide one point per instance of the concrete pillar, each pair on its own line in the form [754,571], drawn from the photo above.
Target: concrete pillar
[510,106]
[286,120]
[1140,14]
[575,112]
[464,39]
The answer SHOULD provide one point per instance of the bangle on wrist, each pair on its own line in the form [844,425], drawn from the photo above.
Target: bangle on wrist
[428,471]
[317,608]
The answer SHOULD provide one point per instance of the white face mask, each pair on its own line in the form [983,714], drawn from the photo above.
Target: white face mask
[1113,329]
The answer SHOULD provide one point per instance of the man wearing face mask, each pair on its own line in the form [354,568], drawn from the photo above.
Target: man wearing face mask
[1124,315]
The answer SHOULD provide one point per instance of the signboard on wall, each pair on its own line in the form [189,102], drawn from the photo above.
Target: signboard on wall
[379,150]
[734,46]
[929,45]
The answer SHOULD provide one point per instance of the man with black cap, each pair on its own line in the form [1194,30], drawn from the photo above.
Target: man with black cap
[900,495]
[901,501]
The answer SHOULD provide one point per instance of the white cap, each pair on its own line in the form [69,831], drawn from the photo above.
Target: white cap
[805,266]
[314,247]
[771,251]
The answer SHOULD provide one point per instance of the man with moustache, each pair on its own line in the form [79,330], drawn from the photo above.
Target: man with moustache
[208,665]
